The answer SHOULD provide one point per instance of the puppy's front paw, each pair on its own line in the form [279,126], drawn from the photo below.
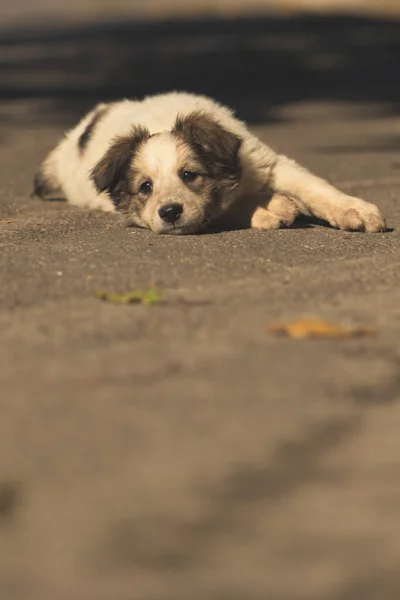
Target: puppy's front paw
[265,219]
[281,212]
[357,215]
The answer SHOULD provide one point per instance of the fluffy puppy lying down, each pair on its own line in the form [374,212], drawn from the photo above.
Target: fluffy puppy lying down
[179,163]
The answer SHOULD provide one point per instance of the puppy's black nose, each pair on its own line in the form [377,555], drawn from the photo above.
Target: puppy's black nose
[170,213]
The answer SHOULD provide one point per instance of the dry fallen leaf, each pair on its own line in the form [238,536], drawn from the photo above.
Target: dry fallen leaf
[317,329]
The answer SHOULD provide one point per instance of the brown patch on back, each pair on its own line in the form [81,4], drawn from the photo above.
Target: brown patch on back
[216,148]
[111,174]
[84,138]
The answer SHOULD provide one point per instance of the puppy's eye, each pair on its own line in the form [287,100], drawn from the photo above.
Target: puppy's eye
[146,188]
[189,176]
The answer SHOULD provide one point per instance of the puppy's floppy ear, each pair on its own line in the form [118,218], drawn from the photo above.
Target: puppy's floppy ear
[111,171]
[216,147]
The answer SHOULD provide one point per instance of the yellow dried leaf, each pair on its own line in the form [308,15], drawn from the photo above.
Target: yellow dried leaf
[317,329]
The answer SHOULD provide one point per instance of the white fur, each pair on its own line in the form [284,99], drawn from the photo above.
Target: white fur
[295,190]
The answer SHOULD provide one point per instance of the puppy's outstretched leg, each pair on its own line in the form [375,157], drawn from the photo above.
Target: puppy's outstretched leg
[315,196]
[280,212]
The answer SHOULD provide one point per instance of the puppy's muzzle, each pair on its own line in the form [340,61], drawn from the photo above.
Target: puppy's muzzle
[171,213]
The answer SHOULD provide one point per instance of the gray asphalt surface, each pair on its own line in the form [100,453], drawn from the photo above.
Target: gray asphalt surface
[180,452]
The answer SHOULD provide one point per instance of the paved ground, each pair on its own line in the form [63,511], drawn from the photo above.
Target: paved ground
[180,452]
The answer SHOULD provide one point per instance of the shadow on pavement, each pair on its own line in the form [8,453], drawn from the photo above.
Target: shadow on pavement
[252,64]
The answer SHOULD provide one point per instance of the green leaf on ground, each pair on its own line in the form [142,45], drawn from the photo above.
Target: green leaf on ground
[150,296]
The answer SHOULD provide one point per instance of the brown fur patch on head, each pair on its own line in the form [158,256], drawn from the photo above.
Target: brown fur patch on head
[215,147]
[111,173]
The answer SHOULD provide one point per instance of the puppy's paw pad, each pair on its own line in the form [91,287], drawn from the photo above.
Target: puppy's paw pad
[363,217]
[351,220]
[265,221]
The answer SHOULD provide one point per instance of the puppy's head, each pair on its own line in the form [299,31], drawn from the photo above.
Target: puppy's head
[172,182]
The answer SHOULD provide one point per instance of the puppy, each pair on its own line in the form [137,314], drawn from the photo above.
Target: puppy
[178,163]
